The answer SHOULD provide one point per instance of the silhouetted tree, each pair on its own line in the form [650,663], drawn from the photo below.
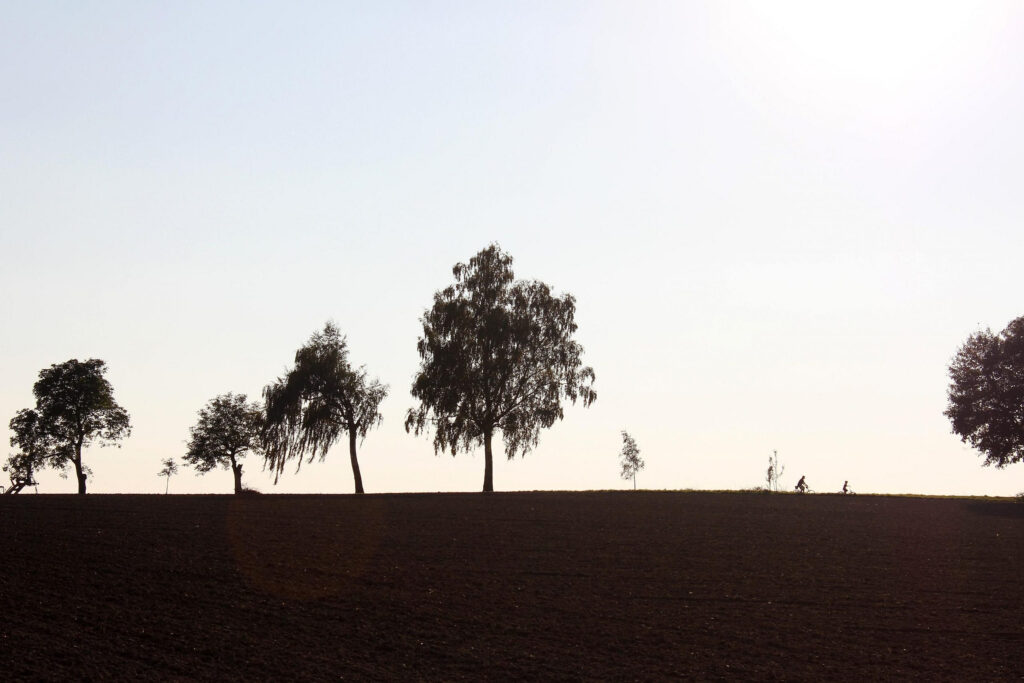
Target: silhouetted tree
[631,460]
[169,470]
[986,394]
[496,354]
[33,445]
[20,467]
[227,429]
[322,397]
[75,408]
[774,473]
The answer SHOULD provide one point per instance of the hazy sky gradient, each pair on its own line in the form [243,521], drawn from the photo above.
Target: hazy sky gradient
[779,220]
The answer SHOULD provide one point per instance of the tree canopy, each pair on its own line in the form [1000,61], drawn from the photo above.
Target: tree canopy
[986,394]
[75,408]
[496,354]
[317,401]
[228,428]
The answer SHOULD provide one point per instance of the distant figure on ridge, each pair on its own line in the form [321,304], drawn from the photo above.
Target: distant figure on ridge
[801,486]
[846,487]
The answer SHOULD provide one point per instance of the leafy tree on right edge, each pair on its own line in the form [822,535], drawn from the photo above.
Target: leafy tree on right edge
[496,354]
[986,394]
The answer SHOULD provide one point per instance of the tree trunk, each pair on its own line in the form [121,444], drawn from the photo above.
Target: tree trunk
[355,461]
[236,469]
[634,481]
[488,464]
[78,467]
[168,486]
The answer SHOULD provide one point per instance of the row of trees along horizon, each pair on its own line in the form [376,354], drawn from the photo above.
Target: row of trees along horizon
[496,354]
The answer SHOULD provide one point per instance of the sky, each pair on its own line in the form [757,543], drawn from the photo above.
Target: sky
[779,221]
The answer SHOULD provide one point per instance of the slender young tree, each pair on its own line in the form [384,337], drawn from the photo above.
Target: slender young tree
[228,428]
[169,470]
[496,355]
[317,401]
[774,473]
[631,460]
[75,408]
[986,394]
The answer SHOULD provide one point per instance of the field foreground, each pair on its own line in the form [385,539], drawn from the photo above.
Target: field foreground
[624,585]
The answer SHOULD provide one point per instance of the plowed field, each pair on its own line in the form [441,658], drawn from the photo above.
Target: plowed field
[620,585]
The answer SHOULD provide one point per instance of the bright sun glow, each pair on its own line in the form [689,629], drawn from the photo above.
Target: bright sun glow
[882,43]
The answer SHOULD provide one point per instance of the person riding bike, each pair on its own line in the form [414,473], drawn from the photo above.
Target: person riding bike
[801,486]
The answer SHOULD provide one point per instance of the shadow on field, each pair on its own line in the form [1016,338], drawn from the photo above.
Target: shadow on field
[997,508]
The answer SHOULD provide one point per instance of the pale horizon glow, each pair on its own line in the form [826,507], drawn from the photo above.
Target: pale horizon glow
[779,221]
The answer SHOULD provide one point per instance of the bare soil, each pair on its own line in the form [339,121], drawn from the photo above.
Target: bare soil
[610,585]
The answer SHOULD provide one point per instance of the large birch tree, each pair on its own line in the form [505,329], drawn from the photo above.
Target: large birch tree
[496,355]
